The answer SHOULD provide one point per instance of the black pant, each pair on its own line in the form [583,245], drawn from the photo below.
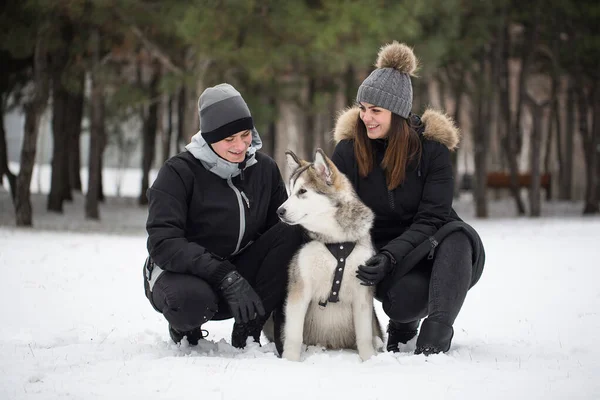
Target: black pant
[187,301]
[436,288]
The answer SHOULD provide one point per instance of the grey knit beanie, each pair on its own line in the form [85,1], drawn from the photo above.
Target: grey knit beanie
[389,85]
[223,112]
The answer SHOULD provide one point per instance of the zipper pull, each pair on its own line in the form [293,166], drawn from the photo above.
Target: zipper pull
[245,199]
[434,244]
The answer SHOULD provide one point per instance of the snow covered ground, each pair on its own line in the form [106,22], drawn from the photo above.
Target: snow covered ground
[75,322]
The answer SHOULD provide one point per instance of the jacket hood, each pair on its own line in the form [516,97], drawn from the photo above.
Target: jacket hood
[217,165]
[438,127]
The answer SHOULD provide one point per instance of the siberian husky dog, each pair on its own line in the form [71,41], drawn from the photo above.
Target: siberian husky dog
[326,304]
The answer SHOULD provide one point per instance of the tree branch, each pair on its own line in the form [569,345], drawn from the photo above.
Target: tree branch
[152,47]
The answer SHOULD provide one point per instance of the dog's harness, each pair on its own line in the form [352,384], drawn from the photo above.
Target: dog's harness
[340,251]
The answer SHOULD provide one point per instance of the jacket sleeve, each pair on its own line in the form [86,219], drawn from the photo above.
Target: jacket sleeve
[166,227]
[434,208]
[278,196]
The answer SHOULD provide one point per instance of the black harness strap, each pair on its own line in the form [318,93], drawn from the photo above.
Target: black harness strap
[340,251]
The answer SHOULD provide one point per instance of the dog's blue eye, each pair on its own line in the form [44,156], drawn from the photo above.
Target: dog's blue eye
[302,191]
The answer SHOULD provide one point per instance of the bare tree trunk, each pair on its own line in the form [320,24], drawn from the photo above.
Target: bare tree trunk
[441,92]
[61,113]
[192,121]
[509,139]
[102,146]
[96,129]
[456,80]
[269,141]
[149,134]
[596,131]
[457,94]
[548,149]
[556,128]
[554,120]
[591,142]
[181,117]
[350,86]
[481,139]
[4,170]
[309,115]
[527,54]
[74,129]
[33,112]
[537,111]
[479,181]
[168,133]
[290,118]
[597,138]
[565,188]
[60,173]
[420,98]
[335,104]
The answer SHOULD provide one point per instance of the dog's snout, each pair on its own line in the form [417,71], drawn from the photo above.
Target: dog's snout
[281,212]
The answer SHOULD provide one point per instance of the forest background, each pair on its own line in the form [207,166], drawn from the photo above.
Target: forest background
[110,83]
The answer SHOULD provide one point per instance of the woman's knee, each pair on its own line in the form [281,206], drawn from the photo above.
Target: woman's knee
[454,259]
[456,242]
[185,300]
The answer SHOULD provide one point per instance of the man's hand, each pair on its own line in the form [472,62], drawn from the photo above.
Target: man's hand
[241,298]
[375,269]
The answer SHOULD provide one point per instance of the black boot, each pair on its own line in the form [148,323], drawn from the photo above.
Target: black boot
[399,332]
[193,336]
[435,337]
[241,332]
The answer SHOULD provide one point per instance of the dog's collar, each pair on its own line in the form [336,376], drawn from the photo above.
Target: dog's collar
[340,251]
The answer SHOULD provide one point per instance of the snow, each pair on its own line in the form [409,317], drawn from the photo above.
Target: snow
[76,323]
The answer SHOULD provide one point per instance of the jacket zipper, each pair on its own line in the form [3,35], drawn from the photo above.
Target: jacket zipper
[238,195]
[391,201]
[245,199]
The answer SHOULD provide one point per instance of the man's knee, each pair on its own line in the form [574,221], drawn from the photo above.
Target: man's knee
[291,236]
[407,299]
[185,300]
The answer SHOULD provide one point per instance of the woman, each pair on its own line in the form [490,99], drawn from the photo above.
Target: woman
[216,248]
[400,167]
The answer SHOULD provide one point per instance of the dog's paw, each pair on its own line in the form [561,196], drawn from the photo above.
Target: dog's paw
[291,355]
[365,354]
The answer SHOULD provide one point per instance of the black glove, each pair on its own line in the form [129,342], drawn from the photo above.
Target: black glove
[242,299]
[375,269]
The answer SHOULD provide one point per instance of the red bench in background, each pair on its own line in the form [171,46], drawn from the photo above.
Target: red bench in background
[501,180]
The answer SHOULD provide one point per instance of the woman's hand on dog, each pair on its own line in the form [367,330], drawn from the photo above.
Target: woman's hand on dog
[375,269]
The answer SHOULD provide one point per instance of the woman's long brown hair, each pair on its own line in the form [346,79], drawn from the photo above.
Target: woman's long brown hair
[404,147]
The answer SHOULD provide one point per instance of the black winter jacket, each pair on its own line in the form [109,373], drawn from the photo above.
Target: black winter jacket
[197,219]
[412,213]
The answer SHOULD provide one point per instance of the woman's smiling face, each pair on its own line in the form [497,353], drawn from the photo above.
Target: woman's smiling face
[377,120]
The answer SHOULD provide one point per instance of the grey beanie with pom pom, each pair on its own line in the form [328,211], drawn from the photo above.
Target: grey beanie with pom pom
[389,86]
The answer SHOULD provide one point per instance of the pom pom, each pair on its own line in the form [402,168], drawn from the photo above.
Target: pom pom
[398,56]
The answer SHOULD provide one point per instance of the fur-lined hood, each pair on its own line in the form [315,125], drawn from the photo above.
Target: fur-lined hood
[438,127]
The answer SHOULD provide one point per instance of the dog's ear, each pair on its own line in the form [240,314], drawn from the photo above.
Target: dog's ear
[292,160]
[323,166]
